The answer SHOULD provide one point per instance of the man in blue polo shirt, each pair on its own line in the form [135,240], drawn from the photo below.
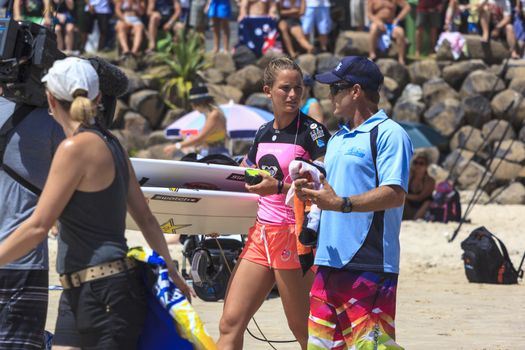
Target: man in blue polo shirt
[353,299]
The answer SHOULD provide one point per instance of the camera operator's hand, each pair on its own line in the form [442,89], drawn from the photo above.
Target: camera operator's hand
[266,187]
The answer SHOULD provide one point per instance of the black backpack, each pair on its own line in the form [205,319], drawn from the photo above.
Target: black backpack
[484,261]
[445,205]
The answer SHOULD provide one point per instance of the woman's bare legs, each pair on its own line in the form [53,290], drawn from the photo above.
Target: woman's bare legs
[59,31]
[294,290]
[70,36]
[138,33]
[298,34]
[122,34]
[420,213]
[287,40]
[249,285]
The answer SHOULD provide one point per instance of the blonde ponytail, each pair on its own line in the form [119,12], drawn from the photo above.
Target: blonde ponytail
[82,109]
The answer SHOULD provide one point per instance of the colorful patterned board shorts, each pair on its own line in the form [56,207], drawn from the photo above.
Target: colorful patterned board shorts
[274,246]
[352,310]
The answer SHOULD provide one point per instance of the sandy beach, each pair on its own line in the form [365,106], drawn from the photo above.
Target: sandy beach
[436,307]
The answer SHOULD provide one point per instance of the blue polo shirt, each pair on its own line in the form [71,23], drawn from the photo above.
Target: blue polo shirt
[364,241]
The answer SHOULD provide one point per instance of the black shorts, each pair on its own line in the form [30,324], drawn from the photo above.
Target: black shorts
[429,19]
[23,308]
[292,21]
[87,23]
[106,313]
[164,18]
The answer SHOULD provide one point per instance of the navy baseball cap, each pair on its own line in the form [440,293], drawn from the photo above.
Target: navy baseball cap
[357,70]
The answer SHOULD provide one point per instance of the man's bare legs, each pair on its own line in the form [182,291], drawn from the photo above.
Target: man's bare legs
[216,34]
[399,36]
[225,34]
[323,40]
[419,40]
[511,41]
[484,19]
[375,31]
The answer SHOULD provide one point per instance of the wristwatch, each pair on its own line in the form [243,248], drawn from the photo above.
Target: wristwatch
[346,207]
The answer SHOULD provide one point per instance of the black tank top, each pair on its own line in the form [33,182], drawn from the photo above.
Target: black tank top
[93,223]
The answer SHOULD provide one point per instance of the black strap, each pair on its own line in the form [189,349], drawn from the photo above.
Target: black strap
[506,254]
[520,271]
[373,147]
[502,246]
[5,133]
[21,180]
[18,115]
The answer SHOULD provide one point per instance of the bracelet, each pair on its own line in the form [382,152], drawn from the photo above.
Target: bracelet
[178,146]
[280,185]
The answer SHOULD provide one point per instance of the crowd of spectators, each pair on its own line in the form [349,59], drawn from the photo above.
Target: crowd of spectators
[294,26]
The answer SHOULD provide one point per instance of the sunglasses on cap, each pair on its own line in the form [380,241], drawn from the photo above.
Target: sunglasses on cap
[338,87]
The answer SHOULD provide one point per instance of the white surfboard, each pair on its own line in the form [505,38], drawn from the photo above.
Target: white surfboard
[191,211]
[173,173]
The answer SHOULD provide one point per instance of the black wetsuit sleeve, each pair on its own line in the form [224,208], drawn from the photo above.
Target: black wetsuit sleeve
[317,140]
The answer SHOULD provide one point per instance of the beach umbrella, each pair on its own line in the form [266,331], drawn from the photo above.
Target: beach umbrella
[423,136]
[242,122]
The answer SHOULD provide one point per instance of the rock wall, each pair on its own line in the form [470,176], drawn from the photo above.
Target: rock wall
[476,104]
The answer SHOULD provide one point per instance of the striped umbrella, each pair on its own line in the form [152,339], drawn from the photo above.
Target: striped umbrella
[242,122]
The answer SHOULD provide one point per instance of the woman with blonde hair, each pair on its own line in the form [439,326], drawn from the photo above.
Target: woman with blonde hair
[90,185]
[270,254]
[212,138]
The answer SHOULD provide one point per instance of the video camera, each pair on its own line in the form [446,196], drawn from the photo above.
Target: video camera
[27,51]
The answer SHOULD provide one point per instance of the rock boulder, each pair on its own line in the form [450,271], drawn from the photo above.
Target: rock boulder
[445,116]
[477,110]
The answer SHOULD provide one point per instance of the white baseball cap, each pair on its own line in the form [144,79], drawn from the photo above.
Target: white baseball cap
[70,74]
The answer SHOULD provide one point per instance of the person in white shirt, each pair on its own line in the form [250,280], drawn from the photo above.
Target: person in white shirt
[495,21]
[318,13]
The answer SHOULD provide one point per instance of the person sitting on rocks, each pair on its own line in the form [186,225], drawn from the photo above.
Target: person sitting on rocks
[162,14]
[213,136]
[290,12]
[519,25]
[384,24]
[258,26]
[495,21]
[420,188]
[64,24]
[128,13]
